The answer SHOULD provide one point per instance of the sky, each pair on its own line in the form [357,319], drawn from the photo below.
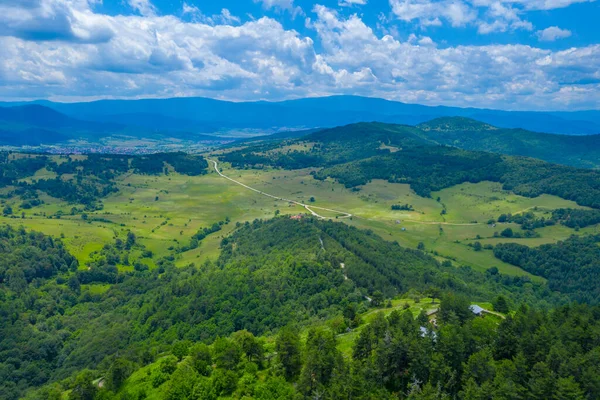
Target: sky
[503,54]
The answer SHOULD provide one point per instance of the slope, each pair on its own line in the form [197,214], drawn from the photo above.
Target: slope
[271,273]
[465,133]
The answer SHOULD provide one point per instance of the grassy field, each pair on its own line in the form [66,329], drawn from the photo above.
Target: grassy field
[166,211]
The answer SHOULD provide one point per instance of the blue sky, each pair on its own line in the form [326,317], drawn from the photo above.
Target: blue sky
[506,54]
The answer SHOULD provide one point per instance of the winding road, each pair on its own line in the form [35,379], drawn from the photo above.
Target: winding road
[309,209]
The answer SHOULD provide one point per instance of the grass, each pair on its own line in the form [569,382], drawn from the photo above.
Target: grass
[166,211]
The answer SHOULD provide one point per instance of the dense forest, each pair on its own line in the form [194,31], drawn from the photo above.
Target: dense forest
[270,274]
[527,355]
[571,266]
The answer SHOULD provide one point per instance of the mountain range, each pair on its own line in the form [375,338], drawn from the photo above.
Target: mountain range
[203,115]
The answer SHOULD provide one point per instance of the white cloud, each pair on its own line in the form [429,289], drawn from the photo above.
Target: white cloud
[162,56]
[457,12]
[487,15]
[553,33]
[351,3]
[144,7]
[281,5]
[223,18]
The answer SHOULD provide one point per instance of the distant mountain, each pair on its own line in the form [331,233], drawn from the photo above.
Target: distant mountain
[34,125]
[48,118]
[202,115]
[31,137]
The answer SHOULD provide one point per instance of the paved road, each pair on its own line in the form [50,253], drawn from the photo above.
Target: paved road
[308,208]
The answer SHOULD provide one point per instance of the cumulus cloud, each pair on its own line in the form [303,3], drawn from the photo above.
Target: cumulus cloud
[162,56]
[487,15]
[553,33]
[429,12]
[48,20]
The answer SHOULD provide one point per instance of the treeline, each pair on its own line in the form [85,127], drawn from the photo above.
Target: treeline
[430,168]
[402,207]
[576,218]
[530,355]
[572,218]
[571,266]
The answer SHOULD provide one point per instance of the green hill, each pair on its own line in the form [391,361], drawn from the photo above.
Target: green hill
[270,274]
[357,154]
[578,151]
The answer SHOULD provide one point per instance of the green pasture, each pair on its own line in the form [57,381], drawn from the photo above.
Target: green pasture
[165,211]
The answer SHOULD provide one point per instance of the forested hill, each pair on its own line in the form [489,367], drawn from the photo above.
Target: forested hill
[188,333]
[271,273]
[358,153]
[465,133]
[571,266]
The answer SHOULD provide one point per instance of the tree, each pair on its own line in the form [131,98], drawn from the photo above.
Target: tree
[568,389]
[83,387]
[541,381]
[168,365]
[118,373]
[201,359]
[364,344]
[421,246]
[322,358]
[350,311]
[508,233]
[477,246]
[74,285]
[312,199]
[250,346]
[227,353]
[274,388]
[455,306]
[377,299]
[180,349]
[7,210]
[501,305]
[287,346]
[130,240]
[480,367]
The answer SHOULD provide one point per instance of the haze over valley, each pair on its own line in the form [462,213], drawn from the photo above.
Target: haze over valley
[277,199]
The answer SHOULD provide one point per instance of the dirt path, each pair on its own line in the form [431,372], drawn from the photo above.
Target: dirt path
[311,209]
[441,223]
[308,208]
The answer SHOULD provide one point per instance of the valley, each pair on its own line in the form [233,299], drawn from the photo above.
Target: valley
[259,236]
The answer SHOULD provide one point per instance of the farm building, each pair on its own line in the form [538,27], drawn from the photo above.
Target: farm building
[475,309]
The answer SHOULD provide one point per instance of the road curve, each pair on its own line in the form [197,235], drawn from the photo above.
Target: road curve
[309,209]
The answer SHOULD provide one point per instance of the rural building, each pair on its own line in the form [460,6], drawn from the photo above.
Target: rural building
[475,309]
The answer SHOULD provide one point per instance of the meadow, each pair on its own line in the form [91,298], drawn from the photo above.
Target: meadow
[165,211]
